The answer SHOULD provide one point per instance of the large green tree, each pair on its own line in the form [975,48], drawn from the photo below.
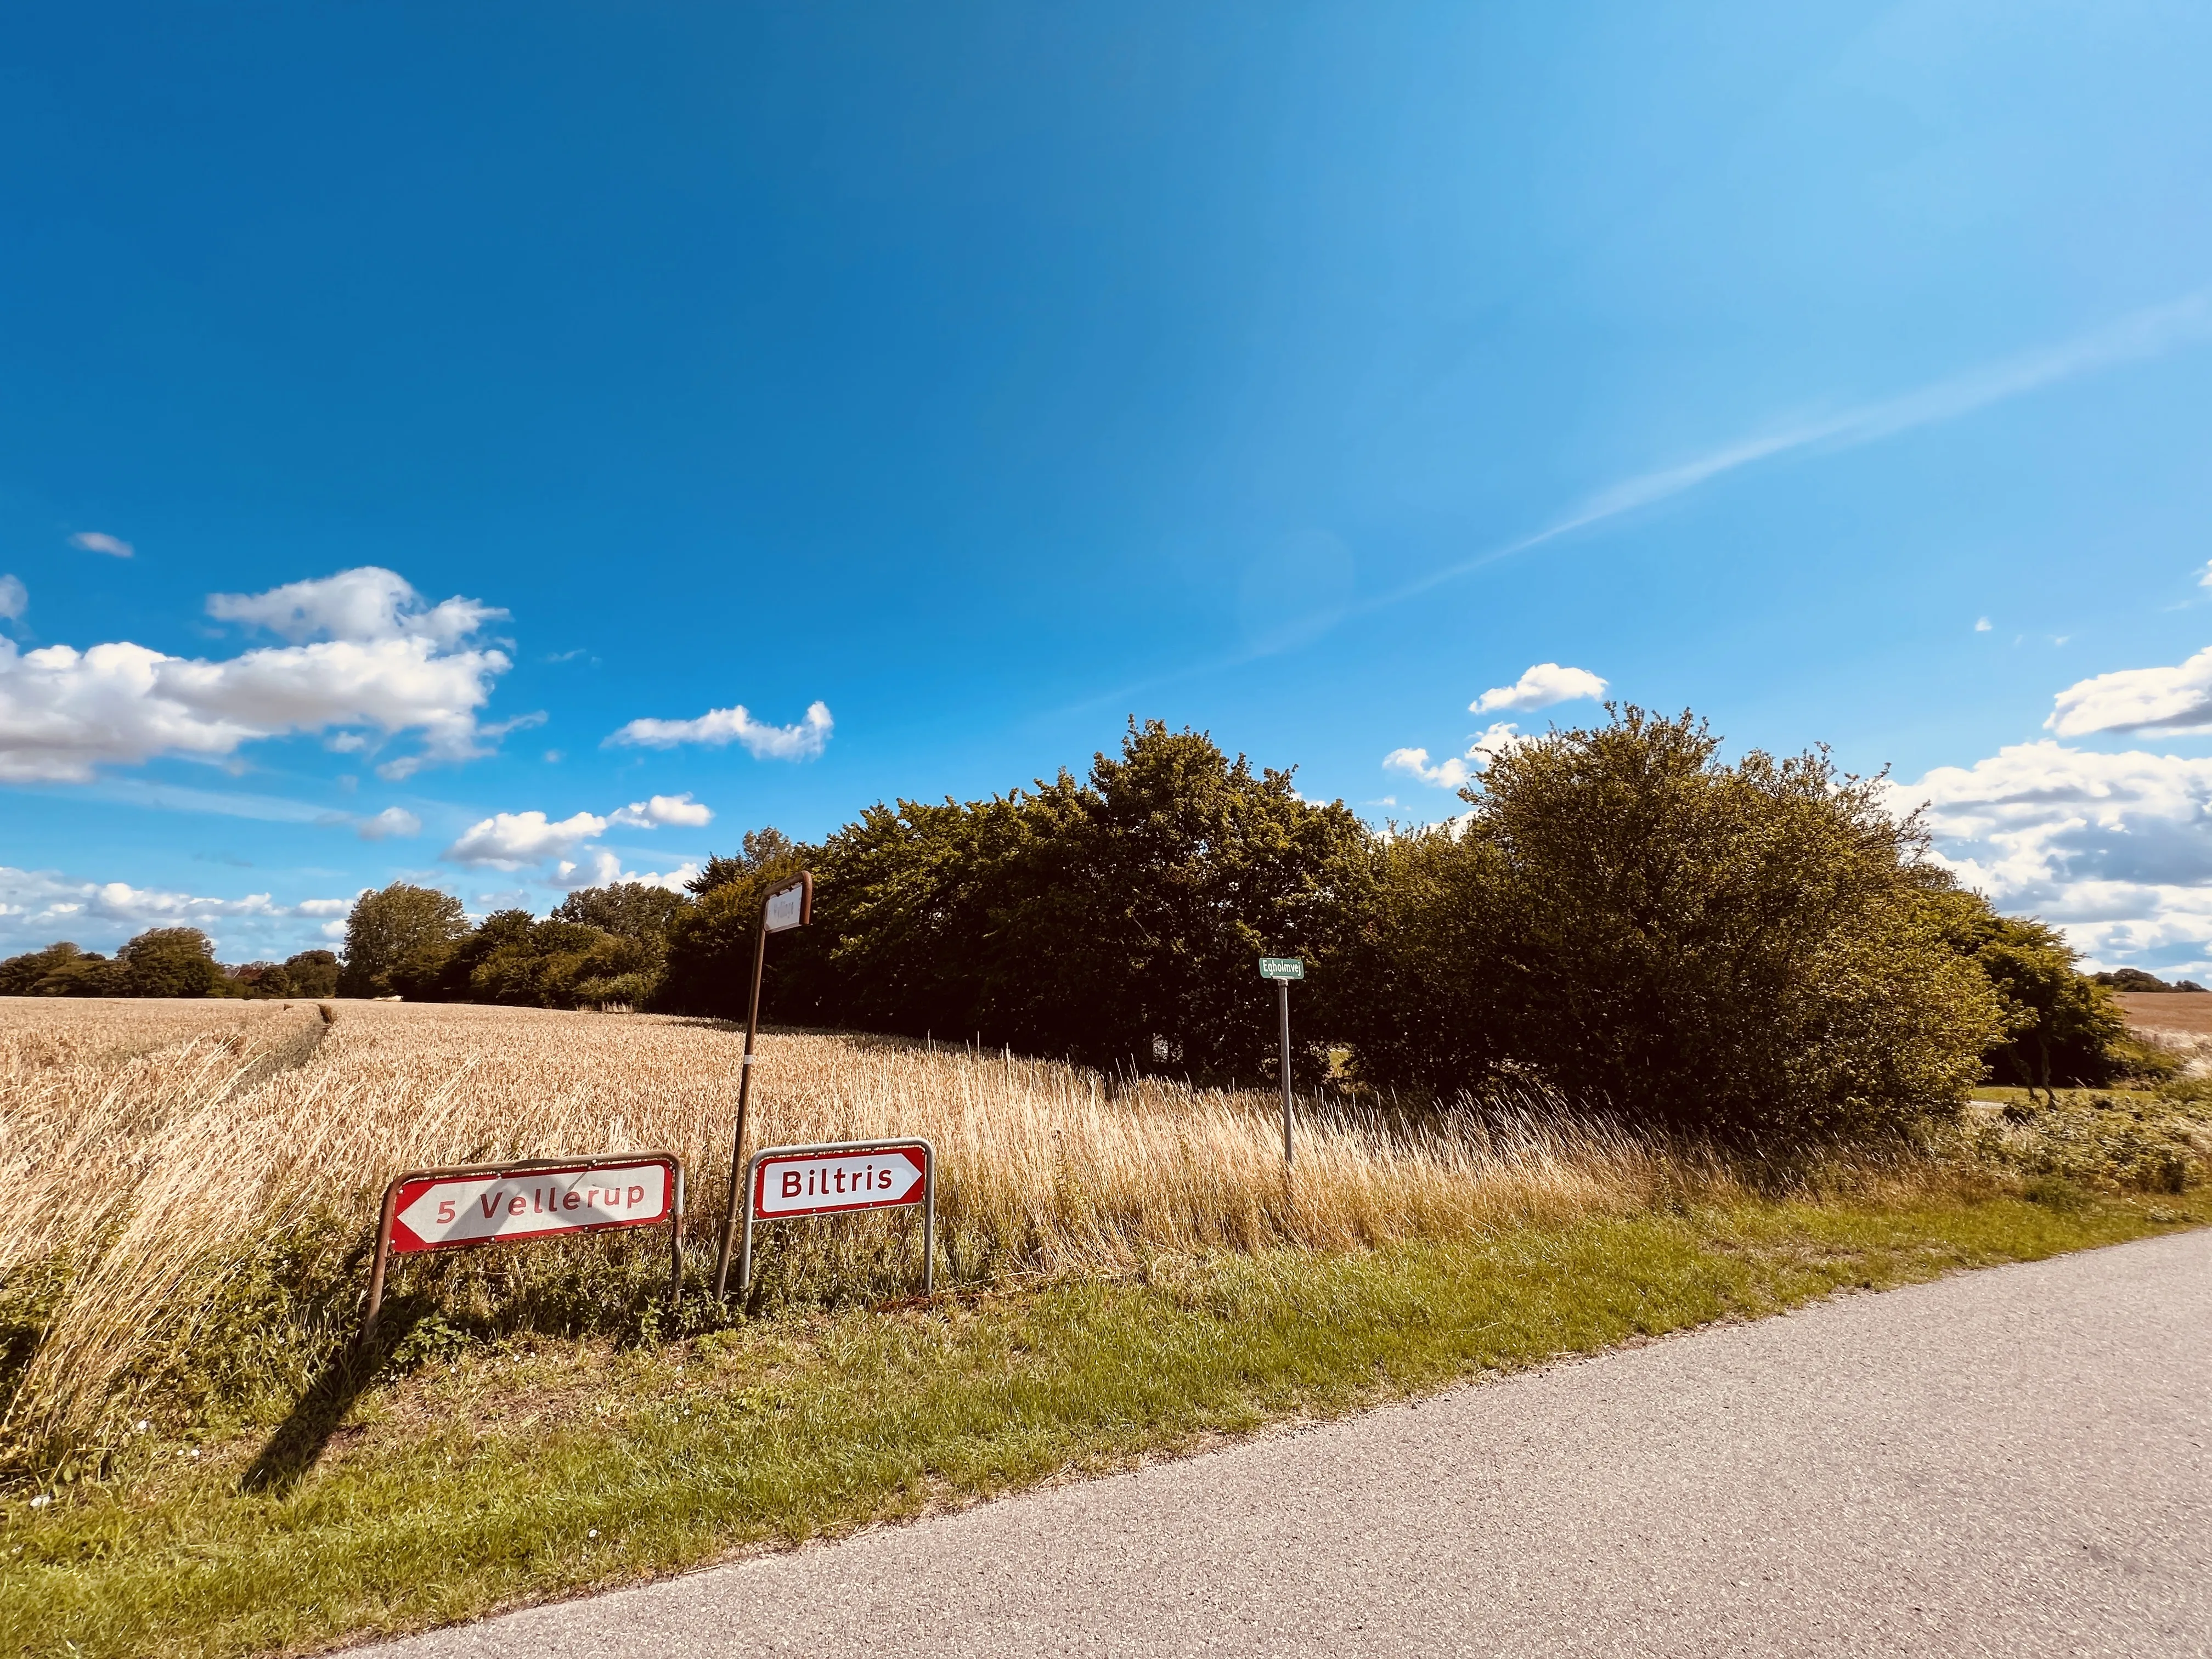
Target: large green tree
[171,962]
[311,974]
[402,930]
[2061,1028]
[1743,949]
[1117,920]
[631,910]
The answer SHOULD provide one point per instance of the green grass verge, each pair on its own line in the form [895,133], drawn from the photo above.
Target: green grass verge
[506,1477]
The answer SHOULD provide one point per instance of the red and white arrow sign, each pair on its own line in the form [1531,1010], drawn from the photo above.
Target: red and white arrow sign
[818,1183]
[437,1212]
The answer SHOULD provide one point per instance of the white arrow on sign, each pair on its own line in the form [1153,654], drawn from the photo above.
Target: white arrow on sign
[856,1181]
[475,1209]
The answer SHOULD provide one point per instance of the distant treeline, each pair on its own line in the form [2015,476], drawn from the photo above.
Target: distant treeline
[2134,979]
[164,961]
[1619,914]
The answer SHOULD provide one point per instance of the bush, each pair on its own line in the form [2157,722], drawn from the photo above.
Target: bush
[2092,1140]
[622,990]
[1743,951]
[2061,1028]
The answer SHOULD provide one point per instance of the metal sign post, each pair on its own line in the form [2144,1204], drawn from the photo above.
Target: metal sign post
[791,905]
[786,1182]
[1283,970]
[455,1208]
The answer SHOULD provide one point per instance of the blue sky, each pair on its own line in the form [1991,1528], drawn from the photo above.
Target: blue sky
[940,386]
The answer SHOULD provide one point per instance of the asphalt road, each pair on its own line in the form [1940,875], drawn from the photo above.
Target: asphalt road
[2013,1462]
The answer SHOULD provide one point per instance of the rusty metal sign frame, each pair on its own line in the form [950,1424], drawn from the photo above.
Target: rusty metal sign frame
[803,882]
[833,1149]
[387,1212]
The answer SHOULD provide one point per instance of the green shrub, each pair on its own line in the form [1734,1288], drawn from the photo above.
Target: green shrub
[2101,1141]
[1749,951]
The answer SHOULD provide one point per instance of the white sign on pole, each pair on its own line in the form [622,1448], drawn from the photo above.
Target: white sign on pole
[786,908]
[452,1209]
[433,1213]
[787,1182]
[815,1185]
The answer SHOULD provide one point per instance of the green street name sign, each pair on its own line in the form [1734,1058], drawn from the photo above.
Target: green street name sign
[1282,967]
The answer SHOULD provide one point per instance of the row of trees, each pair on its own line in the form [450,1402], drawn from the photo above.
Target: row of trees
[602,946]
[1619,913]
[164,961]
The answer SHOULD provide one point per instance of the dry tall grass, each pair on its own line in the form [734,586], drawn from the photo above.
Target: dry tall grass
[150,1144]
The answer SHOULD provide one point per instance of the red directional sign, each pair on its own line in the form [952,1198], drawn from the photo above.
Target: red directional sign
[822,1183]
[444,1212]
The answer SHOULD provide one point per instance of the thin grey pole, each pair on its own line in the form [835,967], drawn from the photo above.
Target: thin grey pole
[745,1256]
[745,1098]
[929,1221]
[386,1213]
[676,1244]
[1283,986]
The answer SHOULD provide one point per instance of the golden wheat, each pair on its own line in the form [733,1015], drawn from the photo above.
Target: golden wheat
[149,1143]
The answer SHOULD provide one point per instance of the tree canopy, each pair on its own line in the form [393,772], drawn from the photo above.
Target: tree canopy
[1117,920]
[399,931]
[1746,948]
[1730,949]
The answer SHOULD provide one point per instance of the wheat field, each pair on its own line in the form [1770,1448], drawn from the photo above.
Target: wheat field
[155,1146]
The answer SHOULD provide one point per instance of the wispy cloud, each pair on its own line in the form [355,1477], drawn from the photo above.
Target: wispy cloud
[97,541]
[2141,335]
[39,906]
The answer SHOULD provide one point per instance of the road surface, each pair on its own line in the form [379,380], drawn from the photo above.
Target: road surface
[2012,1461]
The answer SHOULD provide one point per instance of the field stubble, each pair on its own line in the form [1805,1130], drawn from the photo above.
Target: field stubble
[198,1181]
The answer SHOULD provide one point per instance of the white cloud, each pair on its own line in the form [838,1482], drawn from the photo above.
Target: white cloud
[2115,850]
[391,821]
[94,541]
[2205,580]
[722,725]
[37,907]
[14,597]
[2177,699]
[370,603]
[1456,771]
[1494,740]
[1981,624]
[509,840]
[1451,773]
[600,867]
[663,809]
[392,664]
[1539,687]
